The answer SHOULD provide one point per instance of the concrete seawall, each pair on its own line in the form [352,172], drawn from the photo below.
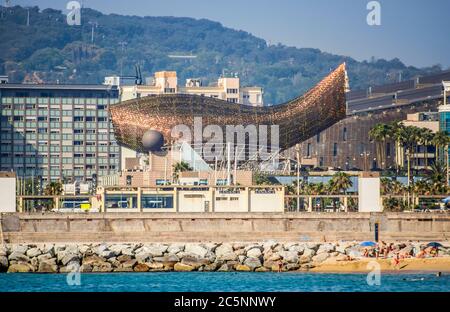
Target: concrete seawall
[203,227]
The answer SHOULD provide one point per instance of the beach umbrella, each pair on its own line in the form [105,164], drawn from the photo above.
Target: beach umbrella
[367,244]
[446,200]
[434,245]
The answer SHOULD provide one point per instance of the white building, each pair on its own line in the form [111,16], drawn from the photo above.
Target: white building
[8,191]
[166,82]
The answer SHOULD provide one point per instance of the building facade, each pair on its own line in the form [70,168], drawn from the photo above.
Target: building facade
[444,112]
[166,82]
[58,132]
[346,144]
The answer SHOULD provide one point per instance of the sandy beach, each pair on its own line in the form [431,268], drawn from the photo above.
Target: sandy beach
[439,264]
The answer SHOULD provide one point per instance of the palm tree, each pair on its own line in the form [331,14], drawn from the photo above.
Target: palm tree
[380,133]
[425,138]
[396,135]
[437,178]
[339,183]
[440,140]
[180,167]
[53,188]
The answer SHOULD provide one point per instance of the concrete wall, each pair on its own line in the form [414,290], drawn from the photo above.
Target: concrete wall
[169,227]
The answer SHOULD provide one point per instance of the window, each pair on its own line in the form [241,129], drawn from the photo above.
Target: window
[149,201]
[344,134]
[388,149]
[335,149]
[232,91]
[308,150]
[318,138]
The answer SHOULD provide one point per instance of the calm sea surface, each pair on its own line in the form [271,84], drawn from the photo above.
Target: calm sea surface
[217,281]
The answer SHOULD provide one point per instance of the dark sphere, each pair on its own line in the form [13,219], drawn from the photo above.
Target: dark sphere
[152,141]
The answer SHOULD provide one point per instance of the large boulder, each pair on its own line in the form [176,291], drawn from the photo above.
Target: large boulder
[48,249]
[43,257]
[141,267]
[128,251]
[157,250]
[20,268]
[33,252]
[117,248]
[305,259]
[289,256]
[102,267]
[123,258]
[252,263]
[309,252]
[275,256]
[69,257]
[143,256]
[196,249]
[243,268]
[225,252]
[210,267]
[254,252]
[109,254]
[320,257]
[20,249]
[270,244]
[325,248]
[129,264]
[181,267]
[296,248]
[3,251]
[195,262]
[3,263]
[155,266]
[17,256]
[48,266]
[251,246]
[224,268]
[175,248]
[313,246]
[292,266]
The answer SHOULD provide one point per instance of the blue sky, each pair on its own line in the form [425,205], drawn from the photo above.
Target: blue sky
[416,31]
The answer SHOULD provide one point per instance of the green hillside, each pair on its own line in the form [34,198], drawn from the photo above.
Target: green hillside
[51,50]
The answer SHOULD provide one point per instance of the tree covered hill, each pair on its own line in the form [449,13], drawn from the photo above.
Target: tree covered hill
[50,50]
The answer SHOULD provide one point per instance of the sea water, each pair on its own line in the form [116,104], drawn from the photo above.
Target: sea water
[220,282]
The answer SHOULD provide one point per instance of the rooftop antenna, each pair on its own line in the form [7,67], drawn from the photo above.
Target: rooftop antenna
[28,16]
[123,44]
[93,25]
[138,79]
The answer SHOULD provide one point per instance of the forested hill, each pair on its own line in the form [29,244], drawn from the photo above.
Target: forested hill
[49,50]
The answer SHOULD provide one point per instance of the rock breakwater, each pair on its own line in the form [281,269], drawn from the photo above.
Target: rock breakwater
[183,257]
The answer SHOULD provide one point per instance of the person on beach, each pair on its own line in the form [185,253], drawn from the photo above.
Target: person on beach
[422,253]
[280,266]
[396,261]
[377,251]
[366,253]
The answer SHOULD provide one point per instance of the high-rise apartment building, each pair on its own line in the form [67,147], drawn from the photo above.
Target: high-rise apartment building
[58,132]
[166,82]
